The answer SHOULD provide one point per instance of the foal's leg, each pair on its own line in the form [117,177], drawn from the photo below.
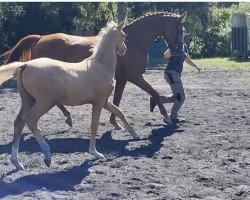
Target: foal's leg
[116,111]
[31,118]
[119,88]
[144,85]
[27,103]
[67,114]
[96,112]
[18,128]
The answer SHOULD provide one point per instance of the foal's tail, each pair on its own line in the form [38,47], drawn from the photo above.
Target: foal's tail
[22,50]
[8,71]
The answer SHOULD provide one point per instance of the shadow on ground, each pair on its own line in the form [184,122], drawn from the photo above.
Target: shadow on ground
[67,180]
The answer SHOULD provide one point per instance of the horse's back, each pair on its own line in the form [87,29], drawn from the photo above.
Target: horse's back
[44,78]
[64,47]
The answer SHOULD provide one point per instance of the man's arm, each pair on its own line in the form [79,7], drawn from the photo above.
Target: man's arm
[192,63]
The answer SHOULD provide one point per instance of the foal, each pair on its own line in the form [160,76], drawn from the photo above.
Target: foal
[44,83]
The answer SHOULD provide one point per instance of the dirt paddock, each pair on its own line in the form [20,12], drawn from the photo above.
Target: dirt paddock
[206,158]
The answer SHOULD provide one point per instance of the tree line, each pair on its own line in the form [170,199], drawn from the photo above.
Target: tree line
[208,23]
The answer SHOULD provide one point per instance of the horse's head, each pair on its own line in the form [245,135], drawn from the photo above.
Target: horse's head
[175,36]
[111,35]
[119,38]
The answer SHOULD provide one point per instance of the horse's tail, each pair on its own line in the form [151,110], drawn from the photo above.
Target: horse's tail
[8,71]
[22,50]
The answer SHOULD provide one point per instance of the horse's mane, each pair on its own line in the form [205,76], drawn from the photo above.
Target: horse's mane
[110,25]
[154,14]
[101,37]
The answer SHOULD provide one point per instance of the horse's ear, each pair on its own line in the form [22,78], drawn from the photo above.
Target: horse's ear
[183,17]
[121,25]
[110,19]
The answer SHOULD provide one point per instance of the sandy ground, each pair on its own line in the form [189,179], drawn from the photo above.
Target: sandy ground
[206,158]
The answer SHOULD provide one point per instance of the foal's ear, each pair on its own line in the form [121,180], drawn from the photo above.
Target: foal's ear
[110,19]
[183,17]
[121,25]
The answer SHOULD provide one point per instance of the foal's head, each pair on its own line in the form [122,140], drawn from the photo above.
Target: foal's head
[112,36]
[119,38]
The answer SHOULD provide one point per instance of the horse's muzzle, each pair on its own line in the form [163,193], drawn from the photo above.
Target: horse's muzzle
[176,49]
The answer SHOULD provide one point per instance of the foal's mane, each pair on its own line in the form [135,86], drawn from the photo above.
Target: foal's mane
[102,36]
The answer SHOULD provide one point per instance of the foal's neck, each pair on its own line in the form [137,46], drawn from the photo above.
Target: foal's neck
[106,55]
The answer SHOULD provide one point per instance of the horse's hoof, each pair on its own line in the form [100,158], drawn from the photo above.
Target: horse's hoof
[97,154]
[69,121]
[167,120]
[18,166]
[136,136]
[47,162]
[133,133]
[118,127]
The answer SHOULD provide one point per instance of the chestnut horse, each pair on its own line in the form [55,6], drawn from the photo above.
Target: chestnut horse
[45,82]
[140,35]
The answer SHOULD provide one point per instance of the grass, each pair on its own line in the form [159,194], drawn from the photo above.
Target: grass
[223,64]
[215,63]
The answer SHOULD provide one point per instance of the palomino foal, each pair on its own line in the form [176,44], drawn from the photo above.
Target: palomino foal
[44,83]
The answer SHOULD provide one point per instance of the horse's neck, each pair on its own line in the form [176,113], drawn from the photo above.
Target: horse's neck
[144,33]
[106,56]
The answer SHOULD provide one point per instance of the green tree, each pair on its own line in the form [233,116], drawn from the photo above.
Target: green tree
[244,7]
[10,14]
[208,23]
[93,16]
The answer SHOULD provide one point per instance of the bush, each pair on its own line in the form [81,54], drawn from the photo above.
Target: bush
[208,23]
[216,41]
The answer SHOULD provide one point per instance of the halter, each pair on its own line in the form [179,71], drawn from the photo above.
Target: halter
[176,48]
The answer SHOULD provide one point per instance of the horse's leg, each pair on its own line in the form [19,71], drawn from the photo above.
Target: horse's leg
[116,111]
[144,85]
[31,118]
[19,123]
[96,112]
[119,88]
[67,114]
[18,128]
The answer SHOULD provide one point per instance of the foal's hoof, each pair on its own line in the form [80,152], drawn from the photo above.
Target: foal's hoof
[47,162]
[69,121]
[167,120]
[136,136]
[17,165]
[117,126]
[97,154]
